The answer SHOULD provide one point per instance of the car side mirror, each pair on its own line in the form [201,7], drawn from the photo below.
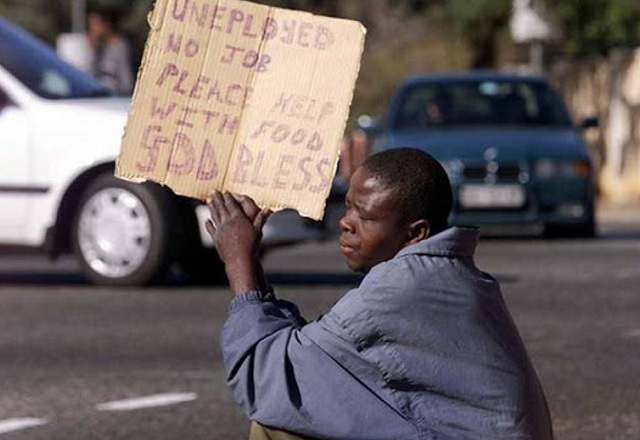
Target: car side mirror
[368,124]
[590,122]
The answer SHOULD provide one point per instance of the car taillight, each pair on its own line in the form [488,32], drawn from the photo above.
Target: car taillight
[582,168]
[547,169]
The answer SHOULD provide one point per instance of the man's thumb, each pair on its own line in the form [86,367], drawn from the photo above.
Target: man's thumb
[261,219]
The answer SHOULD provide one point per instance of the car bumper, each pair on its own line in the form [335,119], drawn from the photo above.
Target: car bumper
[562,202]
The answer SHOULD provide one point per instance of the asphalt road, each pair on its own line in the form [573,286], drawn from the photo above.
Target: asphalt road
[84,363]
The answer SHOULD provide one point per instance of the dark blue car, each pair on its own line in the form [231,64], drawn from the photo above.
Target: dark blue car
[508,143]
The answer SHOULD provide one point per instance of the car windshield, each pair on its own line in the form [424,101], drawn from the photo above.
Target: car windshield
[38,67]
[491,102]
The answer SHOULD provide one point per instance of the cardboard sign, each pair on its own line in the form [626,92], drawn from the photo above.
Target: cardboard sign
[242,97]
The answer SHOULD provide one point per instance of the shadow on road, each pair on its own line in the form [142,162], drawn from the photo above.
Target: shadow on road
[50,278]
[604,234]
[42,278]
[630,233]
[44,275]
[76,279]
[72,278]
[314,279]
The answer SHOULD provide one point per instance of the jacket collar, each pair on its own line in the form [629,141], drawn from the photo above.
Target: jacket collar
[453,242]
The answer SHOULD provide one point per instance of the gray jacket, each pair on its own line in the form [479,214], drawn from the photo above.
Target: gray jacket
[425,348]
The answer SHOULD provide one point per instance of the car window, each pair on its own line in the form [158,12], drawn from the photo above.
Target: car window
[4,100]
[480,103]
[38,67]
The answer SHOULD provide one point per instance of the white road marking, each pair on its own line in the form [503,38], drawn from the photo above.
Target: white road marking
[147,402]
[10,425]
[635,333]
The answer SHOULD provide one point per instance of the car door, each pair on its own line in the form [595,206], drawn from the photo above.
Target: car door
[15,182]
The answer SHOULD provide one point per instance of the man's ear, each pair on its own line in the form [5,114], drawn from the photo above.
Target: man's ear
[418,231]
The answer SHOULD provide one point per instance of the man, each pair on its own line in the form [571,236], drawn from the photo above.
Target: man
[438,108]
[112,52]
[424,348]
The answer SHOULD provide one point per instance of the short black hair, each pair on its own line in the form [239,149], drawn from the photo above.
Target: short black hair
[109,14]
[420,183]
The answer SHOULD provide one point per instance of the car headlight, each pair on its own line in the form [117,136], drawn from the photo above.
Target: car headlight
[548,169]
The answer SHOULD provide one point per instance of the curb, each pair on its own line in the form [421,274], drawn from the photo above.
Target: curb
[609,212]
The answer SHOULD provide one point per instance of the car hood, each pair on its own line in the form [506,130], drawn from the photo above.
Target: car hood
[88,130]
[101,120]
[471,144]
[113,106]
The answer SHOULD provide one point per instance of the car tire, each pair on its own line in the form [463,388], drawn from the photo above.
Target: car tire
[582,230]
[587,229]
[121,232]
[201,264]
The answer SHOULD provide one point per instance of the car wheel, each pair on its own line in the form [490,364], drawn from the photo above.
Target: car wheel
[582,230]
[121,232]
[587,230]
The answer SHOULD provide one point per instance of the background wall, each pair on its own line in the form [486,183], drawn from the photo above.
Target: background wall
[609,88]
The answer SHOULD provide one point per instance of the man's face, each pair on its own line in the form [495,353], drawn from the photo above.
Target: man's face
[434,113]
[97,26]
[371,228]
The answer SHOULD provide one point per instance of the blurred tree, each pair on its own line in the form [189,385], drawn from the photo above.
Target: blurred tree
[28,14]
[480,23]
[135,25]
[594,27]
[330,7]
[591,27]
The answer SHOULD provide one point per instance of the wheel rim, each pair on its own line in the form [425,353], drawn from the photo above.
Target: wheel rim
[114,232]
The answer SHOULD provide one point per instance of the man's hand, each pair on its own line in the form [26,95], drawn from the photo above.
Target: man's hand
[236,228]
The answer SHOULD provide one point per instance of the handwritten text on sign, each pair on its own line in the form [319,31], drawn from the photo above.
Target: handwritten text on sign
[243,97]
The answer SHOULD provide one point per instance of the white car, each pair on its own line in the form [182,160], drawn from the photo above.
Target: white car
[60,132]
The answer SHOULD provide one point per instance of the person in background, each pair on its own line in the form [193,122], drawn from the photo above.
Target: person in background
[112,51]
[438,109]
[354,151]
[423,348]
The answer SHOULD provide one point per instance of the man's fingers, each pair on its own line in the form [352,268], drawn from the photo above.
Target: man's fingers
[248,205]
[222,206]
[217,207]
[261,219]
[231,204]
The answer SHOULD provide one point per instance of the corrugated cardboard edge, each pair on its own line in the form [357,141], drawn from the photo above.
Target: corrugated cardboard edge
[354,80]
[155,19]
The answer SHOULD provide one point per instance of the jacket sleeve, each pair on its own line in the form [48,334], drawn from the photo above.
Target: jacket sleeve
[302,378]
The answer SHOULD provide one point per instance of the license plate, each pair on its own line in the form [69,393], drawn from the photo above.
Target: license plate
[492,196]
